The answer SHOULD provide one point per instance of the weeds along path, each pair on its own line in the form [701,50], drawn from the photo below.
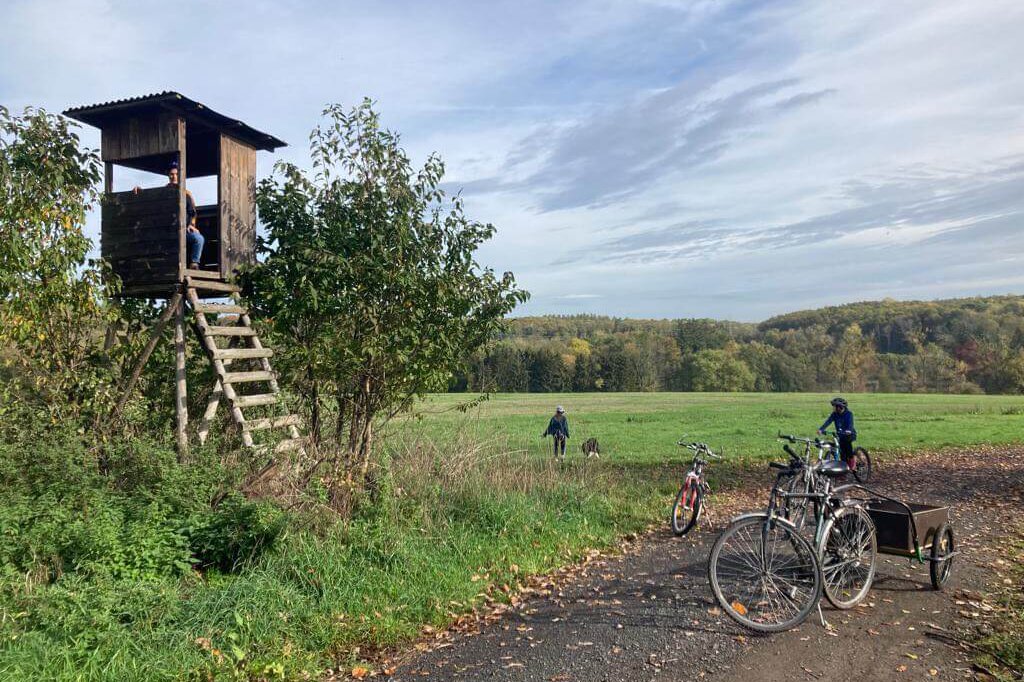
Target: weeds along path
[649,615]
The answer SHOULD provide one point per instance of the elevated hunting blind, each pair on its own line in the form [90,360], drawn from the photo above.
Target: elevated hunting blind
[144,238]
[143,234]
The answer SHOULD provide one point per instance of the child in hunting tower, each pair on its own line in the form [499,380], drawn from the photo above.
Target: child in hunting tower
[558,428]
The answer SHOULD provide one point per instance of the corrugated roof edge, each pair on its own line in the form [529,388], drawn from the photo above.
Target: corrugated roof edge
[234,127]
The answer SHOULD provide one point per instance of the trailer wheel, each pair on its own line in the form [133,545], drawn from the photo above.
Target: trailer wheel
[941,564]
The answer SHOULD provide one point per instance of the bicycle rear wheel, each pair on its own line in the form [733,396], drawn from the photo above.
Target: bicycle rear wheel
[847,554]
[862,460]
[687,507]
[764,574]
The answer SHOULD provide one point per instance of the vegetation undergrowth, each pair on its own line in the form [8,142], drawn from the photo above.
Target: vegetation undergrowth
[104,578]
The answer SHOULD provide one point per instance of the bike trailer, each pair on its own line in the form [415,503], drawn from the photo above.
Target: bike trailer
[899,525]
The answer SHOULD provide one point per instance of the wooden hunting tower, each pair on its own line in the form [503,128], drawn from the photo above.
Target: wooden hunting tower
[143,234]
[144,239]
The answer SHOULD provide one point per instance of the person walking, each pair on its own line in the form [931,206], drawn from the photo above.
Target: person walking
[558,428]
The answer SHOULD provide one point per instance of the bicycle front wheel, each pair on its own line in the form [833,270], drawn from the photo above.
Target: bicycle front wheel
[764,574]
[687,507]
[847,554]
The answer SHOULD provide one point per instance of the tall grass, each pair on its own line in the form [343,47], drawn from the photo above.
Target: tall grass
[452,519]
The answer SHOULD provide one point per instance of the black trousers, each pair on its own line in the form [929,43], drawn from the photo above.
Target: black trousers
[846,448]
[559,442]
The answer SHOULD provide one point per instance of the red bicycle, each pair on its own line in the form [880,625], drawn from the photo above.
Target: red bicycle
[690,499]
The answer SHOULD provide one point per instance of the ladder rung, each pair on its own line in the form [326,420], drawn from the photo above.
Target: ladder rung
[290,444]
[210,285]
[242,353]
[203,274]
[230,331]
[272,422]
[243,377]
[220,308]
[254,400]
[283,446]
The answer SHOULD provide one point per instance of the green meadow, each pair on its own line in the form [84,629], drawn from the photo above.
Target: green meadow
[643,428]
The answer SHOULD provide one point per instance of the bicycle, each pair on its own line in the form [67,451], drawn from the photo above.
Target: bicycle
[862,460]
[803,479]
[689,502]
[768,577]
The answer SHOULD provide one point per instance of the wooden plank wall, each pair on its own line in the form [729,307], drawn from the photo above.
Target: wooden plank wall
[237,195]
[140,235]
[142,136]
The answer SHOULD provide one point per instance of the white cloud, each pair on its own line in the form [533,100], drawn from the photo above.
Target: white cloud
[681,158]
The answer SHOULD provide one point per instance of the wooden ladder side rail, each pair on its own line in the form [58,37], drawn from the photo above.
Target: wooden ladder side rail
[244,319]
[140,362]
[218,364]
[213,403]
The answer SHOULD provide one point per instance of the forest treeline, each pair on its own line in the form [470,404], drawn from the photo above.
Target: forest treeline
[969,345]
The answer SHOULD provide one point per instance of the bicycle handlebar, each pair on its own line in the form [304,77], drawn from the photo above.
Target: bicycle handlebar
[796,439]
[698,448]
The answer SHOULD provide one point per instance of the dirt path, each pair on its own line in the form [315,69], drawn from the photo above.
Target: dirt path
[649,615]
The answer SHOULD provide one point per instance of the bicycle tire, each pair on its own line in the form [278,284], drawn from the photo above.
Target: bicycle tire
[941,564]
[864,470]
[799,572]
[689,487]
[848,538]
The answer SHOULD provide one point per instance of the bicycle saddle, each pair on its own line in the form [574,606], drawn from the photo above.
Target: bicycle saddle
[833,468]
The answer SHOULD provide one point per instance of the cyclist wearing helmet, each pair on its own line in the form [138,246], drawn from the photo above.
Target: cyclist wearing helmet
[559,428]
[842,418]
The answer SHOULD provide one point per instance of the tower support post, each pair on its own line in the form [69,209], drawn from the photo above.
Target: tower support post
[180,384]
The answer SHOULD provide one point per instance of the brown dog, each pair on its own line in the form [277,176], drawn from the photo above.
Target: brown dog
[590,448]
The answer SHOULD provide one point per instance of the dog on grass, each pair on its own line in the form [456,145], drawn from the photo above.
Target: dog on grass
[590,448]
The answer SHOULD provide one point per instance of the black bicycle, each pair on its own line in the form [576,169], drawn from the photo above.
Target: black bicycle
[767,576]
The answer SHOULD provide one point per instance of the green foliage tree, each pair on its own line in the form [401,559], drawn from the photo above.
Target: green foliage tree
[849,362]
[720,370]
[369,279]
[52,304]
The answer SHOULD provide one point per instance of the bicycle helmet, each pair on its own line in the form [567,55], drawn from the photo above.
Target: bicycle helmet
[836,402]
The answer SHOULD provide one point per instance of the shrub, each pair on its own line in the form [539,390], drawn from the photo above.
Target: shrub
[236,532]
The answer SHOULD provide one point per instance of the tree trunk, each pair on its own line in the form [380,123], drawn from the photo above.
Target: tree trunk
[339,425]
[314,412]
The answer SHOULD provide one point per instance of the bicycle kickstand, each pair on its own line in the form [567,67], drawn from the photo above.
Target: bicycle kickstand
[824,623]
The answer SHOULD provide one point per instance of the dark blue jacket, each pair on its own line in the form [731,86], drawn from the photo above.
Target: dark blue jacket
[558,427]
[843,422]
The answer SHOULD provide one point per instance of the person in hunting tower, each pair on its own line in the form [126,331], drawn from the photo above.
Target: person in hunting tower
[194,239]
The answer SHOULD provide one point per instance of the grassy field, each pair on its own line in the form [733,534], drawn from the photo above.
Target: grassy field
[644,427]
[470,502]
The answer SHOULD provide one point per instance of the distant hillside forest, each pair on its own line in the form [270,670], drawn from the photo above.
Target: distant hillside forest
[970,345]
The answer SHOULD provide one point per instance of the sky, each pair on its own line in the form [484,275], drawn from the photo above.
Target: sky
[642,158]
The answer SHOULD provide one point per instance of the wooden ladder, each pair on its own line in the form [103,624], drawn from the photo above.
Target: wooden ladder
[231,322]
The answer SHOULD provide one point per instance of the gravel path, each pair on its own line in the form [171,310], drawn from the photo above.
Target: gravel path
[649,615]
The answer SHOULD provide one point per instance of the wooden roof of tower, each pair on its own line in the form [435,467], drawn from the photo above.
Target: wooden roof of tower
[99,115]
